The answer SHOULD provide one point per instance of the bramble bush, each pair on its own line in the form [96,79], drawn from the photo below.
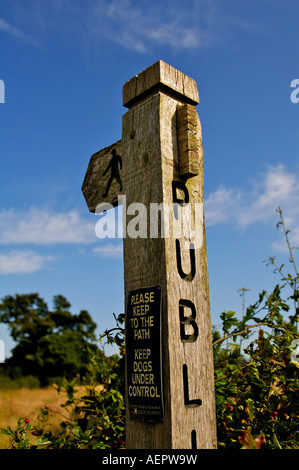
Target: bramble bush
[256,393]
[257,396]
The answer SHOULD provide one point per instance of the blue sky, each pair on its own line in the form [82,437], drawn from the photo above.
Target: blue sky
[64,62]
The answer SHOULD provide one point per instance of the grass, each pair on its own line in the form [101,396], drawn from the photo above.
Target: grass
[26,403]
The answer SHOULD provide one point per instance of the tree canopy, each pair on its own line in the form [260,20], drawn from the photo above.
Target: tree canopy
[49,343]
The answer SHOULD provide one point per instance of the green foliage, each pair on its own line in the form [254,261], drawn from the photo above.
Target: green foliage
[50,344]
[8,383]
[94,419]
[20,438]
[257,399]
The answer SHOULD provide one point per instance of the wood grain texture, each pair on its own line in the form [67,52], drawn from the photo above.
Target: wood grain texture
[160,76]
[189,146]
[95,182]
[162,163]
[150,156]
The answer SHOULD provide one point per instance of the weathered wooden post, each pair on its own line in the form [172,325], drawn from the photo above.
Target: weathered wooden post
[159,174]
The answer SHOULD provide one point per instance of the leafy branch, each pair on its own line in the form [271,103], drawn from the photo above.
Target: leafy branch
[246,330]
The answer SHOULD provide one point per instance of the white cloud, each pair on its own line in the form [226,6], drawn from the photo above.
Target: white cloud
[138,26]
[221,205]
[41,227]
[109,250]
[133,25]
[278,188]
[20,262]
[242,207]
[6,27]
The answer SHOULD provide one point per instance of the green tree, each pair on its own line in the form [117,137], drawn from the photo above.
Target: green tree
[49,343]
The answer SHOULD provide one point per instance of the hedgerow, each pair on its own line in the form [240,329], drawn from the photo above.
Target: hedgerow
[256,381]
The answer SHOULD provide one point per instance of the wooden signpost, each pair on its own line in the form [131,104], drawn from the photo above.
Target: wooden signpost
[158,165]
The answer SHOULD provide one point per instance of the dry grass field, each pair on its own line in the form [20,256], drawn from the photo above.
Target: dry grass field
[26,403]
